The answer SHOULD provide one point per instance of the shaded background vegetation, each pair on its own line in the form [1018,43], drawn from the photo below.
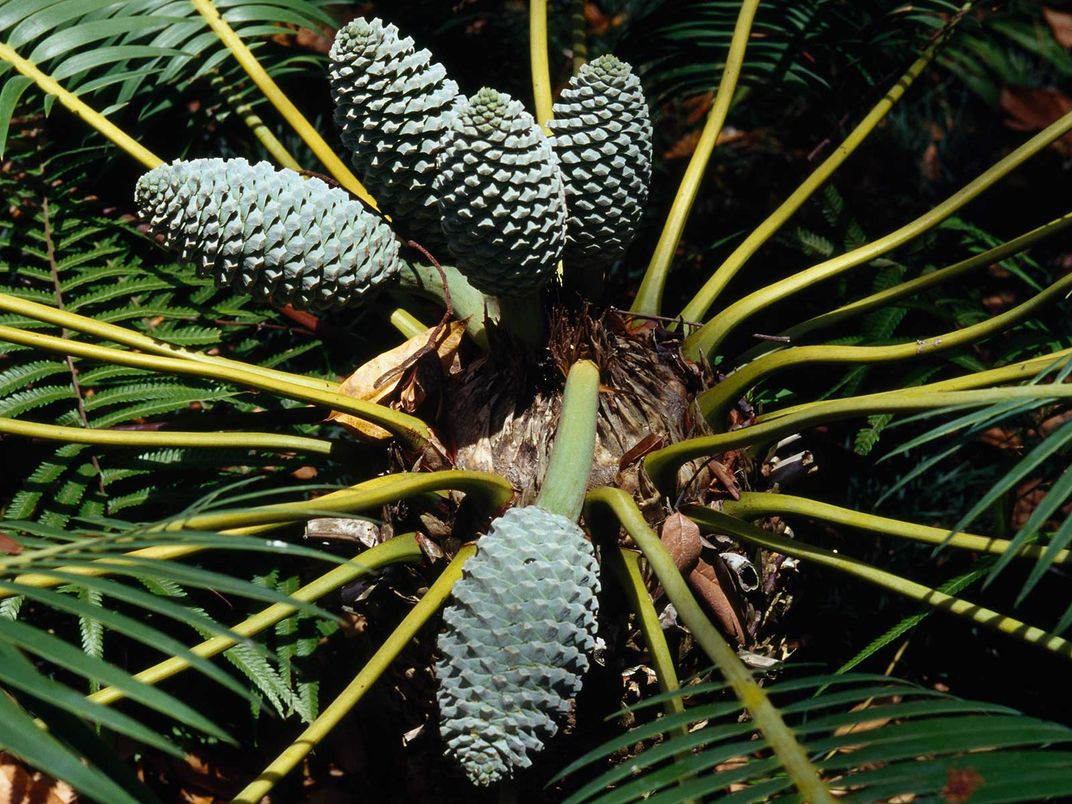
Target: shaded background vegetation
[807,81]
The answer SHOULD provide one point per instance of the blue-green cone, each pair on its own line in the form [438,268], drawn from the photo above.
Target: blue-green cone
[501,199]
[514,641]
[271,233]
[603,139]
[392,106]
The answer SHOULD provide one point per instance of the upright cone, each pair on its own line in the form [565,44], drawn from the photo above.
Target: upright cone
[602,134]
[515,641]
[501,199]
[392,107]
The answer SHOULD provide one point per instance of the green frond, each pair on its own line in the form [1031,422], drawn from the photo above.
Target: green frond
[139,52]
[925,742]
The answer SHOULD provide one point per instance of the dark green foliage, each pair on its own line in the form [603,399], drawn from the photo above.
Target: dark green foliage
[139,53]
[931,742]
[796,47]
[99,273]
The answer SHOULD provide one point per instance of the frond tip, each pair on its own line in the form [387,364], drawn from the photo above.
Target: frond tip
[271,233]
[501,198]
[515,641]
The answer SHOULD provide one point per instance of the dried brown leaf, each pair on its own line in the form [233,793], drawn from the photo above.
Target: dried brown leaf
[1034,109]
[362,383]
[705,583]
[8,545]
[648,443]
[20,785]
[681,537]
[1060,23]
[726,479]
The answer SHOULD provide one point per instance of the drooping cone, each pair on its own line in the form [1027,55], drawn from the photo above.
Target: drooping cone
[602,135]
[270,233]
[515,640]
[392,107]
[501,198]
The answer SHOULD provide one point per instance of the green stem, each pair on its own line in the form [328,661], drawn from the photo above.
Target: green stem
[144,343]
[309,135]
[913,286]
[291,756]
[80,109]
[253,122]
[1014,372]
[697,308]
[470,305]
[649,297]
[541,63]
[662,464]
[402,548]
[580,35]
[140,439]
[566,480]
[715,402]
[523,318]
[765,715]
[626,567]
[707,339]
[721,523]
[407,323]
[493,491]
[409,428]
[754,505]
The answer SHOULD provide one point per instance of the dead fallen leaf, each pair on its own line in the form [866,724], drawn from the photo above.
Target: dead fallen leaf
[1034,109]
[725,478]
[1060,23]
[930,165]
[20,785]
[868,725]
[681,537]
[362,383]
[961,784]
[1002,438]
[8,545]
[648,443]
[705,583]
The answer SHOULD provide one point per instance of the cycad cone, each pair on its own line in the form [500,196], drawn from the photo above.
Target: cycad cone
[602,135]
[515,640]
[271,233]
[501,198]
[392,106]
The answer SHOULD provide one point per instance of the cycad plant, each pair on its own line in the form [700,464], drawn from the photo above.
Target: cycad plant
[593,445]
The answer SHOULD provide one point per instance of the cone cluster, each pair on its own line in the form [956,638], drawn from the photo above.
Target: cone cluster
[477,176]
[271,233]
[514,641]
[473,180]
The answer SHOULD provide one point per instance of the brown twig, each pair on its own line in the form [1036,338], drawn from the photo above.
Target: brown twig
[652,317]
[438,335]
